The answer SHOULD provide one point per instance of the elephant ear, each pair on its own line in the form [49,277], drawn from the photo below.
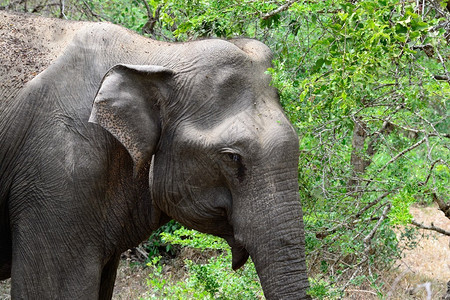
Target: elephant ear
[127,105]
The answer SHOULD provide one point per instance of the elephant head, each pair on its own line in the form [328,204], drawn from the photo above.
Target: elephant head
[224,154]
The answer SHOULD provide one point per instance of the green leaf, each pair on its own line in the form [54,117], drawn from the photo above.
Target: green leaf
[399,28]
[417,24]
[318,65]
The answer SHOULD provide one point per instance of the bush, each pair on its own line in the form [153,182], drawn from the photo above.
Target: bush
[211,280]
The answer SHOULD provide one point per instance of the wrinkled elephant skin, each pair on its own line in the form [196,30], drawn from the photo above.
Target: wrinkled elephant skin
[106,135]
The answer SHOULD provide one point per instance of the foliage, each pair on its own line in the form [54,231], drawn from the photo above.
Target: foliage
[372,120]
[155,246]
[194,239]
[211,280]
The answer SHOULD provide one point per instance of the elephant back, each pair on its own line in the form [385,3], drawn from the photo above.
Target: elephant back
[28,45]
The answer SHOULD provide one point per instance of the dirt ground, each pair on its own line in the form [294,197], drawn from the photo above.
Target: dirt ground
[131,282]
[421,274]
[425,270]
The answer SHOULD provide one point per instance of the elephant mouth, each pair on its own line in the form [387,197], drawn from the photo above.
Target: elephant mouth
[239,254]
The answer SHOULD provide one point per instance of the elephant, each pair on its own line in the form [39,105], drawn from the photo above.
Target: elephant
[106,135]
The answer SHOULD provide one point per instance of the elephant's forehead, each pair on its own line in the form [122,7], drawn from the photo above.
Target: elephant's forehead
[263,122]
[259,134]
[233,100]
[216,51]
[249,130]
[214,54]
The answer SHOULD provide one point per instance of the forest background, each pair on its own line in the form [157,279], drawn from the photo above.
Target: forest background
[366,84]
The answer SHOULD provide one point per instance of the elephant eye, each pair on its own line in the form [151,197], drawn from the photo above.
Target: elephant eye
[234,157]
[240,167]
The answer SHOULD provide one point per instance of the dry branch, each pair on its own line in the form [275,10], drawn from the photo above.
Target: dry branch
[441,77]
[426,286]
[91,12]
[443,64]
[149,27]
[430,171]
[417,131]
[428,49]
[371,234]
[402,153]
[444,207]
[361,291]
[279,9]
[61,9]
[432,227]
[40,7]
[365,208]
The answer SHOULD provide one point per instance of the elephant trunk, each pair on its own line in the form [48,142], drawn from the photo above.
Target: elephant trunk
[270,228]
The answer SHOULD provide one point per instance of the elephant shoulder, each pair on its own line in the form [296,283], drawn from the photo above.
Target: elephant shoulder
[28,45]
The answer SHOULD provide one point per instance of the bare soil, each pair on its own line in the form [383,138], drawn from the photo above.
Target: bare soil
[432,256]
[131,282]
[422,273]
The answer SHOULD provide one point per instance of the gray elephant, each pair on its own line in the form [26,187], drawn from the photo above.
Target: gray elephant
[106,135]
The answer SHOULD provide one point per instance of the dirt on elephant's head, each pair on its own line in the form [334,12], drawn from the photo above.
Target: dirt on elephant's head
[28,45]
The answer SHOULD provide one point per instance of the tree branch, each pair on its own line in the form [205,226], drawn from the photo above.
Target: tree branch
[432,227]
[443,64]
[417,131]
[444,207]
[278,10]
[93,14]
[149,27]
[428,49]
[365,208]
[441,77]
[149,11]
[61,9]
[402,153]
[371,234]
[41,6]
[429,172]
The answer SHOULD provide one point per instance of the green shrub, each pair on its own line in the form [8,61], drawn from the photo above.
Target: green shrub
[155,245]
[211,280]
